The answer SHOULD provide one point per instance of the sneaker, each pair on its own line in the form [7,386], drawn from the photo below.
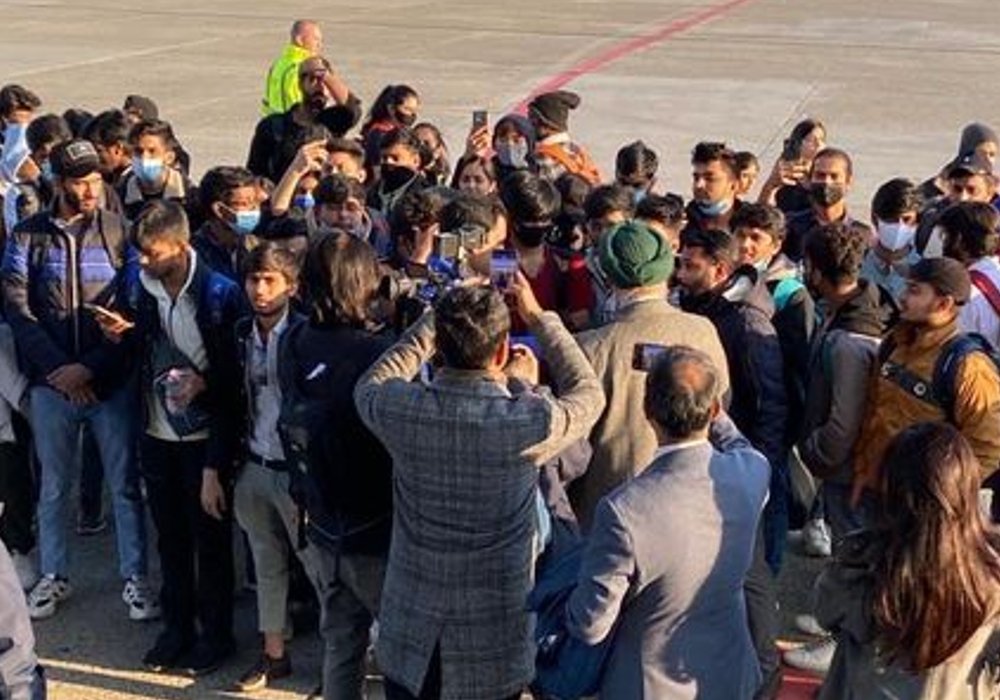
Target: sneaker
[142,604]
[26,570]
[815,657]
[87,526]
[169,647]
[816,540]
[807,624]
[46,595]
[262,673]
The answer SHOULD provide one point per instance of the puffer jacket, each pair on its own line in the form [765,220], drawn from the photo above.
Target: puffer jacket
[841,361]
[891,408]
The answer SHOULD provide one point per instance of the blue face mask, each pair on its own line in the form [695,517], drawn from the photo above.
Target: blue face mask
[713,209]
[246,222]
[638,194]
[149,170]
[304,201]
[46,170]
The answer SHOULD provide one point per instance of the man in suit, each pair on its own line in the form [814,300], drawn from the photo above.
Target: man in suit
[466,450]
[637,261]
[669,550]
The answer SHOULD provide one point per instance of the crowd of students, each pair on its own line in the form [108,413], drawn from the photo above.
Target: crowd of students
[429,382]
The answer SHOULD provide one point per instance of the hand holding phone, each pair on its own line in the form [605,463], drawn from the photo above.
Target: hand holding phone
[112,323]
[480,119]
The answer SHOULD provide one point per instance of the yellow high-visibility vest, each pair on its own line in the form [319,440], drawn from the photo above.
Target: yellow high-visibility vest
[282,90]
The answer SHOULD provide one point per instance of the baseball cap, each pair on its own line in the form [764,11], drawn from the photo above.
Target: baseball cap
[75,159]
[970,164]
[949,277]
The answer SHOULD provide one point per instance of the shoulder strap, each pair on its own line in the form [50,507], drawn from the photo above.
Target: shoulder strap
[985,285]
[950,361]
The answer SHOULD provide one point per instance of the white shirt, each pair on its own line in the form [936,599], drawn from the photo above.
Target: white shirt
[262,366]
[178,320]
[978,315]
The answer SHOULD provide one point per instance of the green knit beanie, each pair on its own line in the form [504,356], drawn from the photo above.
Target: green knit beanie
[634,255]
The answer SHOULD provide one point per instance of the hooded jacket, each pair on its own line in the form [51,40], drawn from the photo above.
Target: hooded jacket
[841,361]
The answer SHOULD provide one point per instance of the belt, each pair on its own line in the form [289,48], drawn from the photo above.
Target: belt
[278,465]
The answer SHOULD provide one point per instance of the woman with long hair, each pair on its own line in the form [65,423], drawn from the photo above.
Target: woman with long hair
[914,601]
[395,107]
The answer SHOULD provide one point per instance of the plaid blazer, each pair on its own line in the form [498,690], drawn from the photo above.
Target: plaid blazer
[466,456]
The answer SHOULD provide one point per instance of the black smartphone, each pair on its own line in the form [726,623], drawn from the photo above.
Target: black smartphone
[645,354]
[480,118]
[792,151]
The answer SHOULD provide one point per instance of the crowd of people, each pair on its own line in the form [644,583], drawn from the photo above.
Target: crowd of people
[428,383]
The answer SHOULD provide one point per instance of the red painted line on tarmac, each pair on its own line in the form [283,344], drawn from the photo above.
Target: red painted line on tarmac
[629,47]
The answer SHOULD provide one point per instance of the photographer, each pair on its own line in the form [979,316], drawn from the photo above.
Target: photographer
[466,453]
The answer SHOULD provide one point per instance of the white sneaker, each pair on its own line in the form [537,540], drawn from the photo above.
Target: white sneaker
[46,595]
[807,624]
[815,657]
[26,569]
[816,539]
[142,604]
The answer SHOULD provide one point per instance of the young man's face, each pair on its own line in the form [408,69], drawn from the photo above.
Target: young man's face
[698,273]
[83,195]
[161,258]
[920,303]
[967,187]
[400,155]
[239,199]
[757,246]
[113,157]
[268,291]
[348,215]
[150,147]
[830,170]
[712,182]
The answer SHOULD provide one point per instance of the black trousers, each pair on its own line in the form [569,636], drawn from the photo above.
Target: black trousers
[17,489]
[432,684]
[760,591]
[196,550]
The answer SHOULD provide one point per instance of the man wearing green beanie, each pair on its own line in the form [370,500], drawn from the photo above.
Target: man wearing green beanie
[638,262]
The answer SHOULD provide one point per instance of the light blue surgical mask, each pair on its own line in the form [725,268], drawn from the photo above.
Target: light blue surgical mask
[638,194]
[304,201]
[714,209]
[149,170]
[513,155]
[246,222]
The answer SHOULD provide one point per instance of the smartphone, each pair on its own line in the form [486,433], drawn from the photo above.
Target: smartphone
[645,354]
[503,267]
[106,314]
[792,151]
[480,118]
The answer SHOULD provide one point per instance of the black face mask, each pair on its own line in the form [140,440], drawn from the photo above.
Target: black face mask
[826,195]
[532,235]
[406,120]
[396,176]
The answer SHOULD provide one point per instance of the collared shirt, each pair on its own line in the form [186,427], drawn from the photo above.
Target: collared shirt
[664,450]
[262,371]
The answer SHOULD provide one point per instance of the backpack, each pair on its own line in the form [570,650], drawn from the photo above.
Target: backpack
[573,158]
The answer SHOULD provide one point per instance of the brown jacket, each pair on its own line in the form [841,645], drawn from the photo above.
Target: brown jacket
[892,408]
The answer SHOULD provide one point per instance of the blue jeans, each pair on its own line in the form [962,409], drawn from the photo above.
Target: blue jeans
[56,422]
[775,518]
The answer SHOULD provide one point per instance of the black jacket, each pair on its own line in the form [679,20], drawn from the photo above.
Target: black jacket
[741,313]
[219,306]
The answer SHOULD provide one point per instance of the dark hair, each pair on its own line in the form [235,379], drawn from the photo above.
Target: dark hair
[680,406]
[895,198]
[573,190]
[974,224]
[529,197]
[337,189]
[219,182]
[470,209]
[77,119]
[609,199]
[636,163]
[717,245]
[382,108]
[708,152]
[269,256]
[345,145]
[109,128]
[341,278]
[16,97]
[154,127]
[416,209]
[666,209]
[744,160]
[935,582]
[805,127]
[47,130]
[487,164]
[837,251]
[401,137]
[837,154]
[760,216]
[470,325]
[160,220]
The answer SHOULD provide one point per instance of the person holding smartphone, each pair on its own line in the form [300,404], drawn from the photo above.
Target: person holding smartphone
[785,187]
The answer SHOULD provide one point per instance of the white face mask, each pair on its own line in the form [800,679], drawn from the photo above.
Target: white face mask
[935,244]
[895,236]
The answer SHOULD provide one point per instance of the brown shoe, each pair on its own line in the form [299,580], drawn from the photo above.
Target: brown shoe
[262,673]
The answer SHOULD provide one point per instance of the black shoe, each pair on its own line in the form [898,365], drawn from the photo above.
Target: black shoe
[166,652]
[203,659]
[771,686]
[262,673]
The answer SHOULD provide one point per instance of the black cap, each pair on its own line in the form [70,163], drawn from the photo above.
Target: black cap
[949,277]
[143,106]
[553,108]
[970,164]
[74,159]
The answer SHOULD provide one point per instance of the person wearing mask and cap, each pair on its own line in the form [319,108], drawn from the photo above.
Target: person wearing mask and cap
[976,138]
[830,179]
[969,179]
[638,262]
[556,152]
[895,214]
[511,145]
[909,385]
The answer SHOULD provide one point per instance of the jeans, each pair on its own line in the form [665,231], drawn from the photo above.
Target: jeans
[349,587]
[775,517]
[196,550]
[56,422]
